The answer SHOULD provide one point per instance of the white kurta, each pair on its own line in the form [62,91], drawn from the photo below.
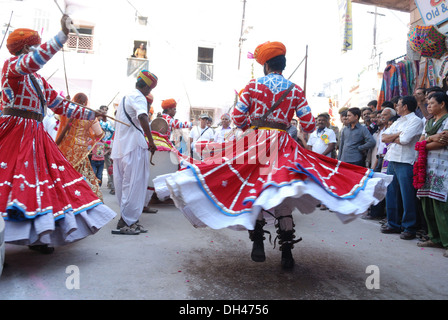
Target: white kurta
[131,159]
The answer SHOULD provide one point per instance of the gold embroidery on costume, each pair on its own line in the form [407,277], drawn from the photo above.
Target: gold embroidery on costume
[75,146]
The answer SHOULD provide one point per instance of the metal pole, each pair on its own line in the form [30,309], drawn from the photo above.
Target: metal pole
[306,67]
[241,34]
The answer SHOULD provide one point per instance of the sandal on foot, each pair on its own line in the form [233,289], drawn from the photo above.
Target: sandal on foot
[429,244]
[149,210]
[139,227]
[126,231]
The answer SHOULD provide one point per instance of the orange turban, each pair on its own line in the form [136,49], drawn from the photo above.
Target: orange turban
[20,37]
[149,78]
[169,103]
[268,50]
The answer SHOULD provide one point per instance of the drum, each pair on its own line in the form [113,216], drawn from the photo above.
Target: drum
[165,159]
[160,125]
[164,162]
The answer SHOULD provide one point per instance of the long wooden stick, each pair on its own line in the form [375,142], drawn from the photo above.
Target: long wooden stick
[52,75]
[96,111]
[65,72]
[72,26]
[113,99]
[306,71]
[7,28]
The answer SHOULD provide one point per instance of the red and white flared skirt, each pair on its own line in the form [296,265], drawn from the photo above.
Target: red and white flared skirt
[43,199]
[261,170]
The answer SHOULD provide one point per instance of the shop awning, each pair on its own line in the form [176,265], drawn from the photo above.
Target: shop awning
[399,5]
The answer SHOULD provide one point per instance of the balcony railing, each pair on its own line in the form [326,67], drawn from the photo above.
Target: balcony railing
[135,65]
[81,44]
[204,71]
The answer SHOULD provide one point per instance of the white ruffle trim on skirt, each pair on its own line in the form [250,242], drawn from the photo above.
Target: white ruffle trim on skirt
[45,230]
[183,187]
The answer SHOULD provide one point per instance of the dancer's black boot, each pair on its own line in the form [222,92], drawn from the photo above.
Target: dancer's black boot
[286,241]
[257,236]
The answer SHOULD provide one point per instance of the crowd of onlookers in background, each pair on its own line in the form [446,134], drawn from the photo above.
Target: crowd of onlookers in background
[406,138]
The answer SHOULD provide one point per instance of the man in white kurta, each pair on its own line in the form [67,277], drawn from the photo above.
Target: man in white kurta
[131,157]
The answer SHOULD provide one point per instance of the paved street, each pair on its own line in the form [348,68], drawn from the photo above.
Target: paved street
[174,261]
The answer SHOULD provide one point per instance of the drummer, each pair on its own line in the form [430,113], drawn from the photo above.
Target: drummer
[169,111]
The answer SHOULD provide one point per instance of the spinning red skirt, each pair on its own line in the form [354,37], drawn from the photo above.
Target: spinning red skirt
[261,170]
[43,199]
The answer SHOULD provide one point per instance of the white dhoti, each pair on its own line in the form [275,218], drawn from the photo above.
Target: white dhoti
[131,174]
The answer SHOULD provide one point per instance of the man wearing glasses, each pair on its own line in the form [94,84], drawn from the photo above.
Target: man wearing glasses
[402,136]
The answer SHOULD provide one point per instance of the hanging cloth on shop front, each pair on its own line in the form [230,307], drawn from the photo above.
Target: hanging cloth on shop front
[427,75]
[398,80]
[390,86]
[428,41]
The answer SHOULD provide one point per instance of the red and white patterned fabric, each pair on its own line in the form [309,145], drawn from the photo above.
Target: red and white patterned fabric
[265,168]
[260,94]
[175,124]
[18,91]
[43,199]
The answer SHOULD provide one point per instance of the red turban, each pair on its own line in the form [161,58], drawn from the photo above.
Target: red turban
[169,103]
[268,50]
[149,78]
[20,37]
[150,98]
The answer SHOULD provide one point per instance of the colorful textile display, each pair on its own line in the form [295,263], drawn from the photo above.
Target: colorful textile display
[428,41]
[399,79]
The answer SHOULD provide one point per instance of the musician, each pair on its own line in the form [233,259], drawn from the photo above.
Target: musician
[45,202]
[169,111]
[130,154]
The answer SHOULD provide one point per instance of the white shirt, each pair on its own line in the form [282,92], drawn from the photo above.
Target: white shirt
[199,134]
[381,145]
[222,133]
[126,138]
[411,128]
[318,144]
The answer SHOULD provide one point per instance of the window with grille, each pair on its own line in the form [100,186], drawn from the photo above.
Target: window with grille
[82,43]
[205,64]
[195,113]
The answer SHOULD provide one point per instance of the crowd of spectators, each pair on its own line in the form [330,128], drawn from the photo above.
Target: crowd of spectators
[407,138]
